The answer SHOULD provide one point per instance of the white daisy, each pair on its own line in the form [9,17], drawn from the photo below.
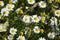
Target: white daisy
[13,1]
[42,4]
[21,38]
[42,38]
[35,18]
[36,29]
[31,1]
[57,13]
[13,31]
[1,3]
[4,12]
[10,37]
[10,7]
[51,35]
[53,21]
[27,19]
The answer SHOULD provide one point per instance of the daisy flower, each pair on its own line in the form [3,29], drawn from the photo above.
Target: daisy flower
[51,35]
[13,1]
[13,31]
[42,38]
[35,18]
[21,38]
[1,3]
[4,12]
[36,29]
[57,13]
[31,1]
[10,37]
[10,7]
[53,21]
[27,19]
[42,4]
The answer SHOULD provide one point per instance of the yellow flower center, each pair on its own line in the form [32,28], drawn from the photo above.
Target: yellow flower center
[0,2]
[13,30]
[58,37]
[31,0]
[5,12]
[17,10]
[37,29]
[36,18]
[10,2]
[20,11]
[9,7]
[20,39]
[51,34]
[26,19]
[53,19]
[42,4]
[57,0]
[10,36]
[58,13]
[5,38]
[42,19]
[21,33]
[41,30]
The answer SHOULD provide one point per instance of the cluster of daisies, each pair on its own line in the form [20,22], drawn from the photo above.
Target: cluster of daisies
[37,19]
[5,10]
[13,32]
[34,18]
[54,21]
[36,29]
[42,4]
